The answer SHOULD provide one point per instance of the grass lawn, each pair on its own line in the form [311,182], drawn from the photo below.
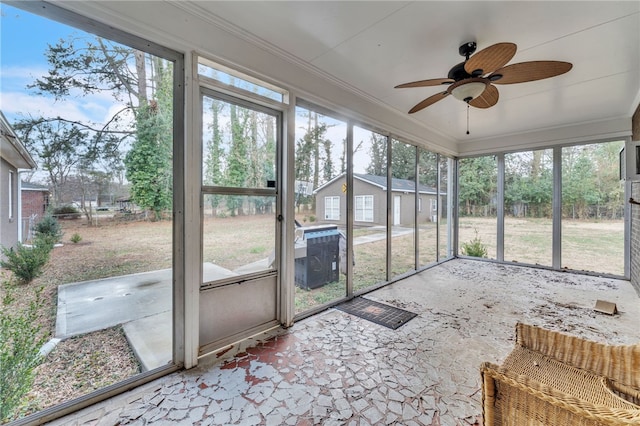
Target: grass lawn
[596,246]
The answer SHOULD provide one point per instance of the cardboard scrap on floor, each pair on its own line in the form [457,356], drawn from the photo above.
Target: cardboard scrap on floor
[605,307]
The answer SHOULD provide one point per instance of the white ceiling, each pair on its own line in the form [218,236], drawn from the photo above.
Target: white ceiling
[373,46]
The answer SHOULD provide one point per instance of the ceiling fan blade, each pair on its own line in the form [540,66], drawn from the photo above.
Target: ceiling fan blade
[425,83]
[429,101]
[490,59]
[487,99]
[529,71]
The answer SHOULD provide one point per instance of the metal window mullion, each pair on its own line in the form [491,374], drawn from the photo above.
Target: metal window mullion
[224,190]
[389,207]
[240,93]
[628,223]
[438,177]
[557,208]
[349,208]
[284,223]
[184,336]
[288,230]
[500,209]
[453,215]
[416,211]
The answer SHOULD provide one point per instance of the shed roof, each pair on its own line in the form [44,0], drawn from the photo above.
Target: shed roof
[397,185]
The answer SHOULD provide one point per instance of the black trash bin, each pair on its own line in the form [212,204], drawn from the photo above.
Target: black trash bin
[320,265]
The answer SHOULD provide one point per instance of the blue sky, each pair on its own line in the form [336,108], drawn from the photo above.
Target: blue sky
[23,40]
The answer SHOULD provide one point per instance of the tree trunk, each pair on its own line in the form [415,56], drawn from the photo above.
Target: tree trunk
[142,77]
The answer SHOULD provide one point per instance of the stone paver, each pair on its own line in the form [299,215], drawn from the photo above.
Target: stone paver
[337,369]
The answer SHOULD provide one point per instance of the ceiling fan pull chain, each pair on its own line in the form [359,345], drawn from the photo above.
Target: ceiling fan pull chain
[467,118]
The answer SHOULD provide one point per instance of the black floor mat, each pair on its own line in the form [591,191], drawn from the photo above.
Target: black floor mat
[379,313]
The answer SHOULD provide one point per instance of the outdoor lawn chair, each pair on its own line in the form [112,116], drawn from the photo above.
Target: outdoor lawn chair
[554,379]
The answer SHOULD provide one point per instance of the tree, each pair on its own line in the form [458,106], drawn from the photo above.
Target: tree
[237,163]
[591,185]
[477,183]
[529,183]
[378,155]
[313,161]
[264,159]
[148,162]
[578,186]
[89,65]
[403,160]
[213,162]
[427,168]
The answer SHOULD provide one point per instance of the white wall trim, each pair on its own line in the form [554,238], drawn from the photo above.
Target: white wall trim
[587,132]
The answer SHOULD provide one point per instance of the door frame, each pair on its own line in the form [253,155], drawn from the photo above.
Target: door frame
[225,284]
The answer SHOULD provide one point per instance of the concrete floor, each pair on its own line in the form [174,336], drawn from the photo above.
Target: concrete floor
[337,369]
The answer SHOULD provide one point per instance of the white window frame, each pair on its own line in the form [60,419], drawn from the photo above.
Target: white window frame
[363,208]
[10,203]
[332,208]
[434,205]
[419,204]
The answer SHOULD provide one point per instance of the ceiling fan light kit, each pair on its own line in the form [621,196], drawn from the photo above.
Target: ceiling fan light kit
[472,81]
[468,90]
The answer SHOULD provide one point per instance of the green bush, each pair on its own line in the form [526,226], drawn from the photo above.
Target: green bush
[26,263]
[20,342]
[66,212]
[474,247]
[49,228]
[76,238]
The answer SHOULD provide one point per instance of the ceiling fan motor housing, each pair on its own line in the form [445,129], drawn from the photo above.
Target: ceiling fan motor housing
[458,72]
[467,49]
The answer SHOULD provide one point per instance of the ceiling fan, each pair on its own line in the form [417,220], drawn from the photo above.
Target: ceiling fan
[472,81]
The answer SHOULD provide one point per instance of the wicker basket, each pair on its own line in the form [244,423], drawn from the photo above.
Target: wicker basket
[553,379]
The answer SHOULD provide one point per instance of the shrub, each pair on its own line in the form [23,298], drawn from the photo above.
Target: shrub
[26,263]
[20,343]
[66,212]
[312,218]
[474,247]
[49,229]
[76,238]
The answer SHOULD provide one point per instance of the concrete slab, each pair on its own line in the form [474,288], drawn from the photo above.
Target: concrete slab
[141,303]
[150,339]
[95,305]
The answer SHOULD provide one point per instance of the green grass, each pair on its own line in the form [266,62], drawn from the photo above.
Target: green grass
[307,299]
[586,245]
